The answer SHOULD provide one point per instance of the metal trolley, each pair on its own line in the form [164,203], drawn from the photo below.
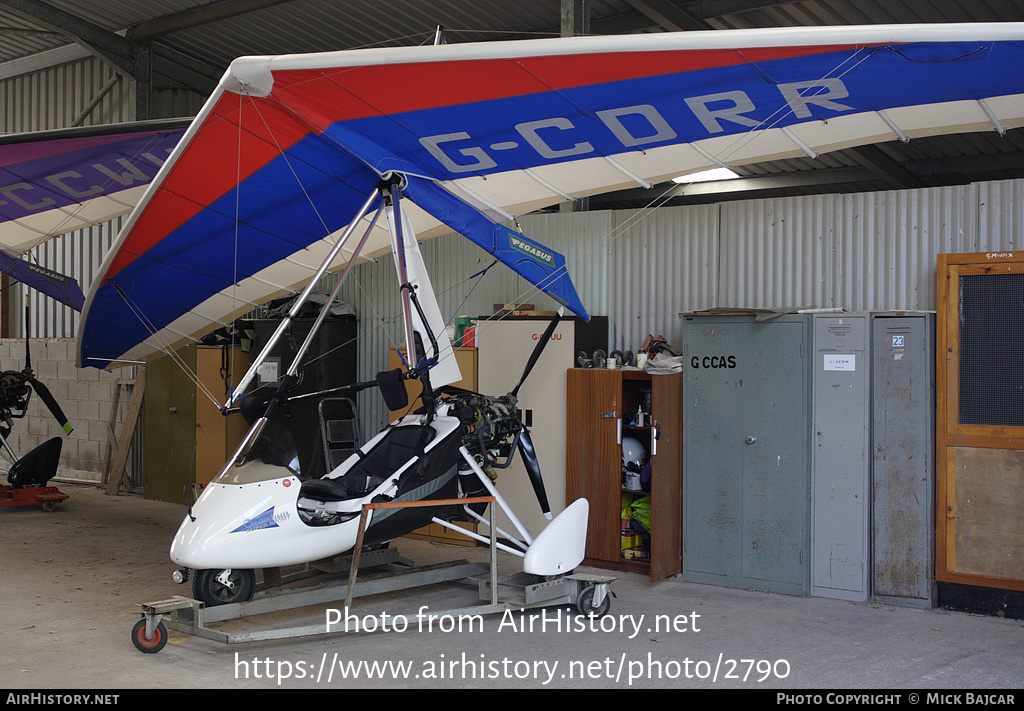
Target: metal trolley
[591,594]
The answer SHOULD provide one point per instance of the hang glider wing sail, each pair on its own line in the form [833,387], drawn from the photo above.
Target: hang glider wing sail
[55,182]
[288,147]
[55,285]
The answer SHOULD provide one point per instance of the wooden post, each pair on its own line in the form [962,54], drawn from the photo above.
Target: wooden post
[117,472]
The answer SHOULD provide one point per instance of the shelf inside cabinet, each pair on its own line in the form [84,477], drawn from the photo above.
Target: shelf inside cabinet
[603,403]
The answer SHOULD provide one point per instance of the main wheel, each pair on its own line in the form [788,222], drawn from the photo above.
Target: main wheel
[237,586]
[149,645]
[585,603]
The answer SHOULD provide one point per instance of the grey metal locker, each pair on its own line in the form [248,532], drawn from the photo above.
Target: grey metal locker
[903,446]
[841,454]
[746,471]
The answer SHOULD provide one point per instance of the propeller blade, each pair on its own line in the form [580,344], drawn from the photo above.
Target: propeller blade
[535,356]
[51,404]
[529,454]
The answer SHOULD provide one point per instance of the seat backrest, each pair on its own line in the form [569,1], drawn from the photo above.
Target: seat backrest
[339,430]
[38,466]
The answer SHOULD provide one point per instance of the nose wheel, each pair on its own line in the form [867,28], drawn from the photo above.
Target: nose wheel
[223,587]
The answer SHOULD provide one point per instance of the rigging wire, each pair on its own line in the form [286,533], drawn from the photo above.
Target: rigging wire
[164,347]
[639,216]
[603,241]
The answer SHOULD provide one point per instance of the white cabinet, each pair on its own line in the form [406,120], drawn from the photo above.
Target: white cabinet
[504,347]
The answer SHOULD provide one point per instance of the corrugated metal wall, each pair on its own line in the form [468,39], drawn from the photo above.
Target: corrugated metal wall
[662,261]
[54,97]
[864,251]
[1000,217]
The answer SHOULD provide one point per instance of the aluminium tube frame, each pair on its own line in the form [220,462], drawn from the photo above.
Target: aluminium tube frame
[251,373]
[398,241]
[485,480]
[301,353]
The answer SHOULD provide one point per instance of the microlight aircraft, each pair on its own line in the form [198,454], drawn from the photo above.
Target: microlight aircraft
[295,156]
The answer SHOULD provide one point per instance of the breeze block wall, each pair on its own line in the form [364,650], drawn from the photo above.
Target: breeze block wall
[86,396]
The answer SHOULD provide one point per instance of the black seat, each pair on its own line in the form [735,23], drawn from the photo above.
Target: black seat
[38,466]
[340,489]
[398,446]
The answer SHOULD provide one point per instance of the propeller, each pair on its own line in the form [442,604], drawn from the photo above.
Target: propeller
[49,401]
[39,387]
[535,356]
[529,454]
[525,441]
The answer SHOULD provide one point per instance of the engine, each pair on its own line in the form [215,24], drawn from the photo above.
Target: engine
[14,396]
[492,424]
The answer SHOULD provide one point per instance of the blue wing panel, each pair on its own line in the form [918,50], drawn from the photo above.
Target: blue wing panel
[542,267]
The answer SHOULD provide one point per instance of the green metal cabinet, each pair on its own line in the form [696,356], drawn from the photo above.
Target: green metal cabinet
[746,459]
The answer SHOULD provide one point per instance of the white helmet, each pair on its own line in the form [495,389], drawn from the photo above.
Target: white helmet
[633,452]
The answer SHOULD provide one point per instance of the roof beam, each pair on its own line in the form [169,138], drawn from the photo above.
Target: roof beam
[35,34]
[667,193]
[625,23]
[130,57]
[669,15]
[189,71]
[968,165]
[108,46]
[885,168]
[716,8]
[195,17]
[575,18]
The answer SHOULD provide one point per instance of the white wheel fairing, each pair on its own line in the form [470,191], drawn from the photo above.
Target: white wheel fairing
[561,546]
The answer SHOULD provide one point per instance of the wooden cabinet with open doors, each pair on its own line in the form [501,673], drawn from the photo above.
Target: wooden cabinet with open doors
[603,407]
[980,420]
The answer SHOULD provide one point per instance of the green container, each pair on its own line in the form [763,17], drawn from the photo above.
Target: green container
[461,323]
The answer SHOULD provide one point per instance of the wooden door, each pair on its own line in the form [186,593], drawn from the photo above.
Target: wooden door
[980,420]
[667,476]
[593,456]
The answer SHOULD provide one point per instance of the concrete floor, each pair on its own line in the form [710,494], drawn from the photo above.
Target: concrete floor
[71,582]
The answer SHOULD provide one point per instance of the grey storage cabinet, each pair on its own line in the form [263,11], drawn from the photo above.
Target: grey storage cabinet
[808,460]
[873,472]
[903,458]
[746,453]
[841,457]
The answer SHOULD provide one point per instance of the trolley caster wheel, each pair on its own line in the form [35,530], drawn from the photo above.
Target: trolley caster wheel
[49,506]
[223,587]
[149,645]
[585,602]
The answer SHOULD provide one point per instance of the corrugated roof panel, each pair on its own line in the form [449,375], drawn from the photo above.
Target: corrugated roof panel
[315,26]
